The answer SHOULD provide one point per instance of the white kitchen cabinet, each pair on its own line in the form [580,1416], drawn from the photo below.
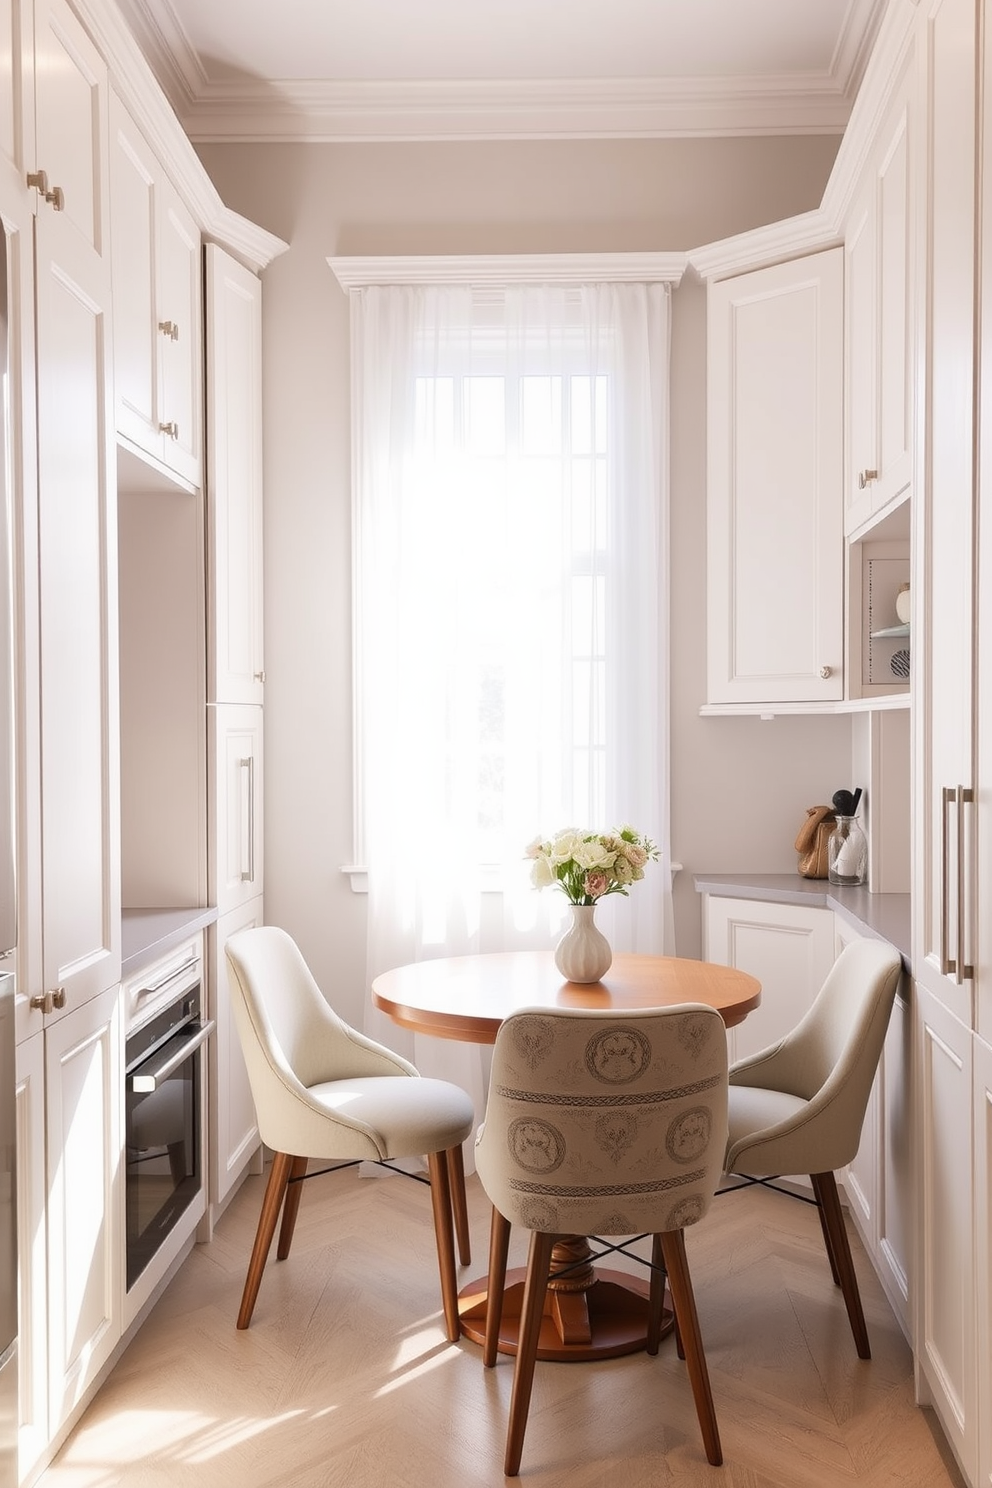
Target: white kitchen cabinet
[788,947]
[235,795]
[775,578]
[235,668]
[234,1138]
[77,793]
[982,1066]
[32,1295]
[943,589]
[84,1097]
[946,1322]
[158,323]
[879,297]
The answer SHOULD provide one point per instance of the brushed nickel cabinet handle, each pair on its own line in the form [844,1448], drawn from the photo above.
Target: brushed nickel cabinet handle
[39,180]
[947,966]
[171,428]
[865,477]
[826,672]
[249,765]
[169,328]
[47,1002]
[963,796]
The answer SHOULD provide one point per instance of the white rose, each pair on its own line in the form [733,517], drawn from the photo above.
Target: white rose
[542,874]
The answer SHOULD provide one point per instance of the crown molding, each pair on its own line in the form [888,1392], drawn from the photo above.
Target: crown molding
[250,110]
[134,80]
[511,268]
[334,112]
[823,227]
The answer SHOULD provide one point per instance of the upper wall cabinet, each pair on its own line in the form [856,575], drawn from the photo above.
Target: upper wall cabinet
[774,479]
[879,295]
[158,326]
[234,480]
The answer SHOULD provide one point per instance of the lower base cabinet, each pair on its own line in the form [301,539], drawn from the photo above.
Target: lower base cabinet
[234,1138]
[32,1297]
[788,947]
[84,1097]
[946,1328]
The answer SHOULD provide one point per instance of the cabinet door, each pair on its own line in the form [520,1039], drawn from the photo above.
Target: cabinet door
[775,484]
[879,295]
[158,337]
[16,91]
[234,480]
[179,323]
[235,848]
[32,1316]
[983,1240]
[234,1135]
[946,1325]
[944,654]
[788,947]
[84,1101]
[79,743]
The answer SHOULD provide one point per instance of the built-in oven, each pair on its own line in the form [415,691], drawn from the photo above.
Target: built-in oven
[163,1132]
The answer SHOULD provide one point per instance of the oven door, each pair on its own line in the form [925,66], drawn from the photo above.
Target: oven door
[163,1167]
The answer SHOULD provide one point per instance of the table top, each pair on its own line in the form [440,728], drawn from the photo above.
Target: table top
[467,997]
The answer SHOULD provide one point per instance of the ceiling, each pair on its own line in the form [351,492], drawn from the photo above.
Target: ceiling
[457,69]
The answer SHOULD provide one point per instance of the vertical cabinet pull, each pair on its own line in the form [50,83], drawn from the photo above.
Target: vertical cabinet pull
[955,966]
[248,764]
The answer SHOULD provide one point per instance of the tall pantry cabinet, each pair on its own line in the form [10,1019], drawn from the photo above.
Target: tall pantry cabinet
[98,356]
[952,850]
[235,676]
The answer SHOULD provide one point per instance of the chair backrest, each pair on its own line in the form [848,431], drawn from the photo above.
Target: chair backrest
[605,1123]
[830,1057]
[290,1036]
[844,1029]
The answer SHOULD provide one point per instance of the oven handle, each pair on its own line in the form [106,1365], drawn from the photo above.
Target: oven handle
[145,1080]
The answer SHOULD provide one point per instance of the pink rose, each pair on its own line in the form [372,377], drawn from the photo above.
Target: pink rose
[596,884]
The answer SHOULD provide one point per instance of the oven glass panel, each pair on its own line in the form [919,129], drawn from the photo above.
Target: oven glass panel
[163,1161]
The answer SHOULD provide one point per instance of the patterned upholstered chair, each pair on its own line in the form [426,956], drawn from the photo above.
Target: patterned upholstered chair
[603,1123]
[322,1090]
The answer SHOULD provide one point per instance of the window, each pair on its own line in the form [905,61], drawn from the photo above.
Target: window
[510,532]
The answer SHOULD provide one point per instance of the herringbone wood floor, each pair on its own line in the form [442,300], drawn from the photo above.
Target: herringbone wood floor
[345,1377]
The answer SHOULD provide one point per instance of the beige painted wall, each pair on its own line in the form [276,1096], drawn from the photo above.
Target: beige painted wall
[739,786]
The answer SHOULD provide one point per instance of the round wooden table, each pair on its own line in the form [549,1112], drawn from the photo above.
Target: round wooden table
[590,1314]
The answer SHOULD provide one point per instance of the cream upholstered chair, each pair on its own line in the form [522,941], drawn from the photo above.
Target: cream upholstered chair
[323,1091]
[799,1105]
[603,1123]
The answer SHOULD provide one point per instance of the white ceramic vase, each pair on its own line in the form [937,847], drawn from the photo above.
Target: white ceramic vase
[583,954]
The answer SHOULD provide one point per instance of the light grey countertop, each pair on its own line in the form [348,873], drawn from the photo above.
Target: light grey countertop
[147,934]
[886,916]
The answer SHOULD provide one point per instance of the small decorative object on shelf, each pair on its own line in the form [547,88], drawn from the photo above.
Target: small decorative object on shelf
[847,850]
[586,866]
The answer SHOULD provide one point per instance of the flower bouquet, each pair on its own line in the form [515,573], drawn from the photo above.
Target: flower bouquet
[586,866]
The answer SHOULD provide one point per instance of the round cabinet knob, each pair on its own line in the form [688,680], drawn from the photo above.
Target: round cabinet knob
[826,672]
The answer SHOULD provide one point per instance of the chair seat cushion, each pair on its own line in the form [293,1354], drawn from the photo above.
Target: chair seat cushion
[753,1115]
[404,1115]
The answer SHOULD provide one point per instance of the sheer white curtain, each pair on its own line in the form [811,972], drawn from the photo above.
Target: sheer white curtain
[511,609]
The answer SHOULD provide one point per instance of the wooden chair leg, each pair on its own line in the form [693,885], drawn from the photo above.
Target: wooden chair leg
[499,1246]
[445,1236]
[535,1291]
[275,1192]
[827,1238]
[828,1200]
[684,1302]
[459,1205]
[291,1206]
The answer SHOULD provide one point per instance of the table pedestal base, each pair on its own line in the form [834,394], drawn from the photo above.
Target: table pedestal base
[603,1322]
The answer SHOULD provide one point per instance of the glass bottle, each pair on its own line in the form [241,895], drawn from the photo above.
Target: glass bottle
[847,853]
